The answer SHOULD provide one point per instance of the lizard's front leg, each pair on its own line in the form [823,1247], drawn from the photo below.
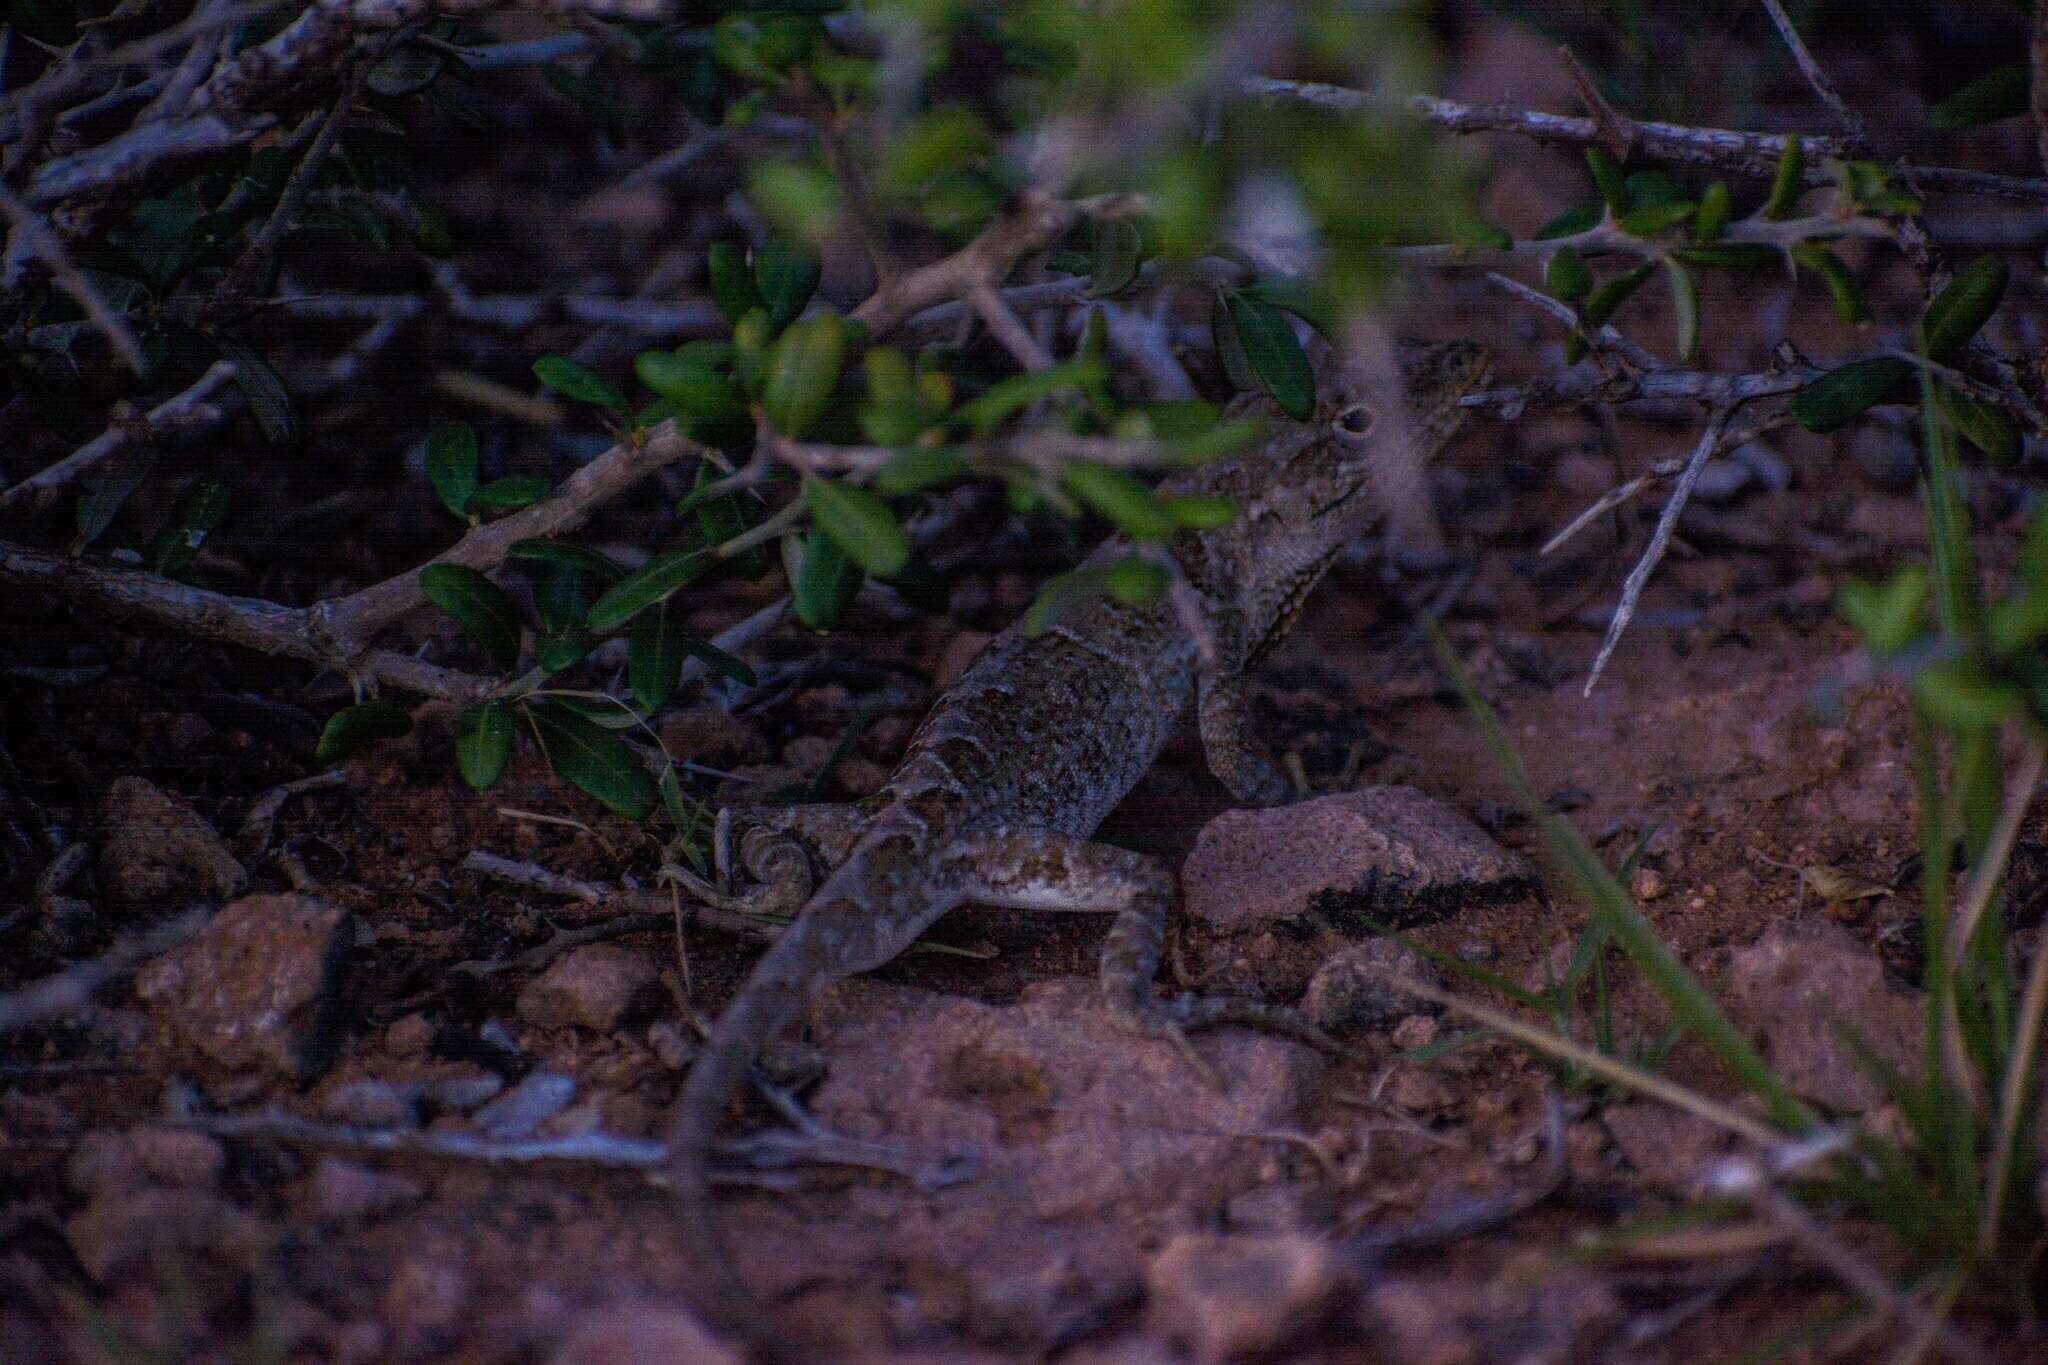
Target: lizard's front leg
[1040,869]
[1239,760]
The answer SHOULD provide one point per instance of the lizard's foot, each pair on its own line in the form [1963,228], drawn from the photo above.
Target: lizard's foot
[780,856]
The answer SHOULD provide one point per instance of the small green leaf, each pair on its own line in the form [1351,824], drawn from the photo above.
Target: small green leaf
[267,395]
[1843,290]
[1999,93]
[1061,594]
[477,605]
[194,517]
[598,762]
[1712,219]
[1600,305]
[721,519]
[1276,356]
[718,661]
[930,144]
[1201,511]
[483,742]
[1958,694]
[354,727]
[573,380]
[798,197]
[452,465]
[1237,368]
[1685,309]
[565,554]
[802,375]
[1960,310]
[1115,263]
[654,656]
[406,70]
[732,283]
[761,47]
[1567,275]
[787,273]
[1887,615]
[556,651]
[652,581]
[1476,234]
[1136,581]
[1652,219]
[1736,255]
[1121,498]
[860,522]
[1986,426]
[1608,179]
[1870,185]
[695,390]
[1018,392]
[510,493]
[1790,181]
[823,580]
[1570,223]
[921,467]
[1840,394]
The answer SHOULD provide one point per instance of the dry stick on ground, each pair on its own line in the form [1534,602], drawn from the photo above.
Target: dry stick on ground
[73,987]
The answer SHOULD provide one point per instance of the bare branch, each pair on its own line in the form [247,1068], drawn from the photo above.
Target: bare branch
[72,988]
[1660,540]
[35,235]
[1744,153]
[988,305]
[181,410]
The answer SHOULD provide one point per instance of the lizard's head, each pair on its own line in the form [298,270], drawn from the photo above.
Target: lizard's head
[1313,487]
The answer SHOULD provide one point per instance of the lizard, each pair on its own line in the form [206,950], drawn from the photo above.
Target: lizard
[1038,739]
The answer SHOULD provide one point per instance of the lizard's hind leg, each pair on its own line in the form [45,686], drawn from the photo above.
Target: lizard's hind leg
[1040,869]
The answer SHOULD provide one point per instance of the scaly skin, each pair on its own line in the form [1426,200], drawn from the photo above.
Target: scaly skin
[1034,745]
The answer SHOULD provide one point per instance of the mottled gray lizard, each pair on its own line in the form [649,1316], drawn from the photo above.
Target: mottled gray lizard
[1035,744]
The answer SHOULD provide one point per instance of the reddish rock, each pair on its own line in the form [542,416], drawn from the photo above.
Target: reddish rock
[172,1156]
[1390,853]
[1668,1147]
[641,1333]
[345,1191]
[595,987]
[1351,988]
[1458,1318]
[1056,1101]
[1225,1297]
[144,1229]
[256,987]
[154,846]
[1798,985]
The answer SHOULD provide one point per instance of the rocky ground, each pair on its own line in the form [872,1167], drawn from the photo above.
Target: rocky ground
[262,1135]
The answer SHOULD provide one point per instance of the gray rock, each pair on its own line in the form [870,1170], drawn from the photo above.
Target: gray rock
[539,1096]
[1226,1297]
[1351,990]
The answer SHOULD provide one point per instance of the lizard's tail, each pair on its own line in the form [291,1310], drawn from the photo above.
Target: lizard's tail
[774,995]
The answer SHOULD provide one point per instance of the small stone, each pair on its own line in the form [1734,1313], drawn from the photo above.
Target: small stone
[140,1230]
[1417,1030]
[1420,1090]
[429,1291]
[540,1095]
[713,735]
[670,1046]
[1889,520]
[1478,951]
[1669,1148]
[153,846]
[460,1087]
[807,753]
[638,1332]
[371,1103]
[1387,853]
[346,1191]
[1798,985]
[410,1036]
[175,1157]
[1226,1297]
[1351,990]
[1647,884]
[258,986]
[595,987]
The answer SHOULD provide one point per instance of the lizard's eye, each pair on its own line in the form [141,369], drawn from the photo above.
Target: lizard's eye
[1354,422]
